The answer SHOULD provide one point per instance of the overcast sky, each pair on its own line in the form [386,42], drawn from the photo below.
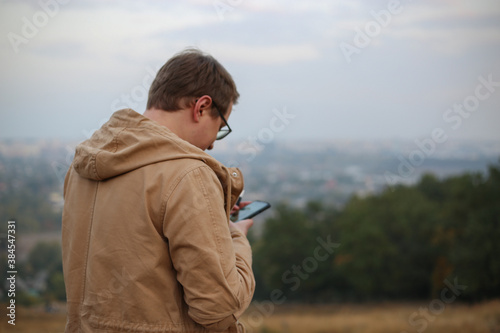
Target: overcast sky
[344,69]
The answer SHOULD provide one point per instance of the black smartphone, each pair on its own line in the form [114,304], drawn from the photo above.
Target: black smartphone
[252,209]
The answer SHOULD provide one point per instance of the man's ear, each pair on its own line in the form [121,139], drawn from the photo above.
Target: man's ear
[201,107]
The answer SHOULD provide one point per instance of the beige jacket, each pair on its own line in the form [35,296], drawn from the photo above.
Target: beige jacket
[146,242]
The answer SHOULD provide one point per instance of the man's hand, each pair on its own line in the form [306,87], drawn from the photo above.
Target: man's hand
[236,209]
[242,225]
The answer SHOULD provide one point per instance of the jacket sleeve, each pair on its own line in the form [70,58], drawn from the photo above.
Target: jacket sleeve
[213,261]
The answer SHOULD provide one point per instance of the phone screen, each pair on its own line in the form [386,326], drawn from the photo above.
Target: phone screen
[252,209]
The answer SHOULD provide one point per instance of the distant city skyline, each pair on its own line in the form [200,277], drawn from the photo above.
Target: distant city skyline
[323,70]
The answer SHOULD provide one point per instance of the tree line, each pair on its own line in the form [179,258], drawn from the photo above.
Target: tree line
[405,243]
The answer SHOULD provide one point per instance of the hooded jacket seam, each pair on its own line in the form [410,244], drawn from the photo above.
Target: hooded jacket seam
[114,150]
[165,133]
[175,184]
[215,230]
[93,162]
[87,247]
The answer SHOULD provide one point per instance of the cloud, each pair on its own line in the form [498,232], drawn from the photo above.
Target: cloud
[294,6]
[279,54]
[448,27]
[93,51]
[107,29]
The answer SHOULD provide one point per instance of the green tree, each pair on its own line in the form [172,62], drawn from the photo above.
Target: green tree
[387,249]
[46,257]
[285,257]
[472,215]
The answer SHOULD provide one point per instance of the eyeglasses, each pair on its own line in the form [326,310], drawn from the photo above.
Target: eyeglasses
[224,131]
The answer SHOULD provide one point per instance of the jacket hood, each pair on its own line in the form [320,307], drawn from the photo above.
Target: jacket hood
[129,141]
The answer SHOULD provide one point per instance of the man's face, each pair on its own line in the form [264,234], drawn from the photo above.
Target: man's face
[210,126]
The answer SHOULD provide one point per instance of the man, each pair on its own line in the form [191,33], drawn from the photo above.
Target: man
[147,241]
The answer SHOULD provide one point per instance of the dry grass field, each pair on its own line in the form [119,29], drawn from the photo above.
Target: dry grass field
[376,318]
[373,318]
[33,320]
